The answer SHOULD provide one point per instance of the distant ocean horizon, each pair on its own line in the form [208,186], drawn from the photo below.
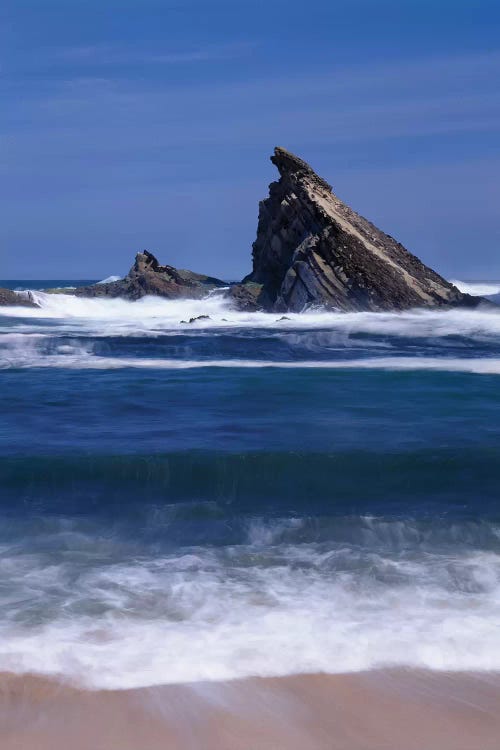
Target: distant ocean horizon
[24,284]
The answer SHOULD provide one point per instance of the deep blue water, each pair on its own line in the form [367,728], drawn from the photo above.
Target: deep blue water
[20,284]
[246,495]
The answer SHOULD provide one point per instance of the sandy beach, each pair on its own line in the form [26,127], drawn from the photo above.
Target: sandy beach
[390,710]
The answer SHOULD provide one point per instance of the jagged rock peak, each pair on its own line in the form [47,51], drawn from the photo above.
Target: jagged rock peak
[289,164]
[313,249]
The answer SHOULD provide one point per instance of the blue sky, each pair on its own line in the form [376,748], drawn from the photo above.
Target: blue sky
[138,124]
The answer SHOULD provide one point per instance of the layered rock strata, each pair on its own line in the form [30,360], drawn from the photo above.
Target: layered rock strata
[312,249]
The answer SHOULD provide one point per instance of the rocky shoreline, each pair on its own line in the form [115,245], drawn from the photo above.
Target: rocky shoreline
[311,250]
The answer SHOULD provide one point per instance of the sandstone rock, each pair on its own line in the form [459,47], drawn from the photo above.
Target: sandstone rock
[9,298]
[312,249]
[147,276]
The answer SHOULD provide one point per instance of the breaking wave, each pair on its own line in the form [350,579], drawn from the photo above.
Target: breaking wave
[153,314]
[478,288]
[110,279]
[105,611]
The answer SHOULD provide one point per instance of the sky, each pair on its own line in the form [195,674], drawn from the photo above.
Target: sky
[148,124]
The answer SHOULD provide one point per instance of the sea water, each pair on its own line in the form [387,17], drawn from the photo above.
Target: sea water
[248,494]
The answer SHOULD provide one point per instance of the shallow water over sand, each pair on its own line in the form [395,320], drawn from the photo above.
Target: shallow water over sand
[367,711]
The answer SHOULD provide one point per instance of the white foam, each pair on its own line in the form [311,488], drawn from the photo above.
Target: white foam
[157,316]
[110,279]
[478,288]
[204,616]
[23,353]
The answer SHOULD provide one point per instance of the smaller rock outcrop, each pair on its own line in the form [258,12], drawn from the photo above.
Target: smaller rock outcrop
[196,319]
[8,298]
[148,277]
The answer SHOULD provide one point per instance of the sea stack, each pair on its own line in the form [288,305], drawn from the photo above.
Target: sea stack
[312,249]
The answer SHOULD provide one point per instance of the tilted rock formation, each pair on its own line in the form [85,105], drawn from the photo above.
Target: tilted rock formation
[311,248]
[147,277]
[8,298]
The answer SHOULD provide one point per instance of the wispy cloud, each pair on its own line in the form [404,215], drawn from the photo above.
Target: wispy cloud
[123,55]
[349,105]
[111,139]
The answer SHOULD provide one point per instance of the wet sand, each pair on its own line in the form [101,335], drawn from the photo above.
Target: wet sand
[380,710]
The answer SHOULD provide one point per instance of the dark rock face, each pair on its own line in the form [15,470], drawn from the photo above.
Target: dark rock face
[9,298]
[245,297]
[147,276]
[311,248]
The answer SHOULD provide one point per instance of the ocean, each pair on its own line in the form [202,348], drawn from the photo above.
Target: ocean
[248,494]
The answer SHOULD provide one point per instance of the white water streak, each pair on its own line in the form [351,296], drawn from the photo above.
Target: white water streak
[82,360]
[478,288]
